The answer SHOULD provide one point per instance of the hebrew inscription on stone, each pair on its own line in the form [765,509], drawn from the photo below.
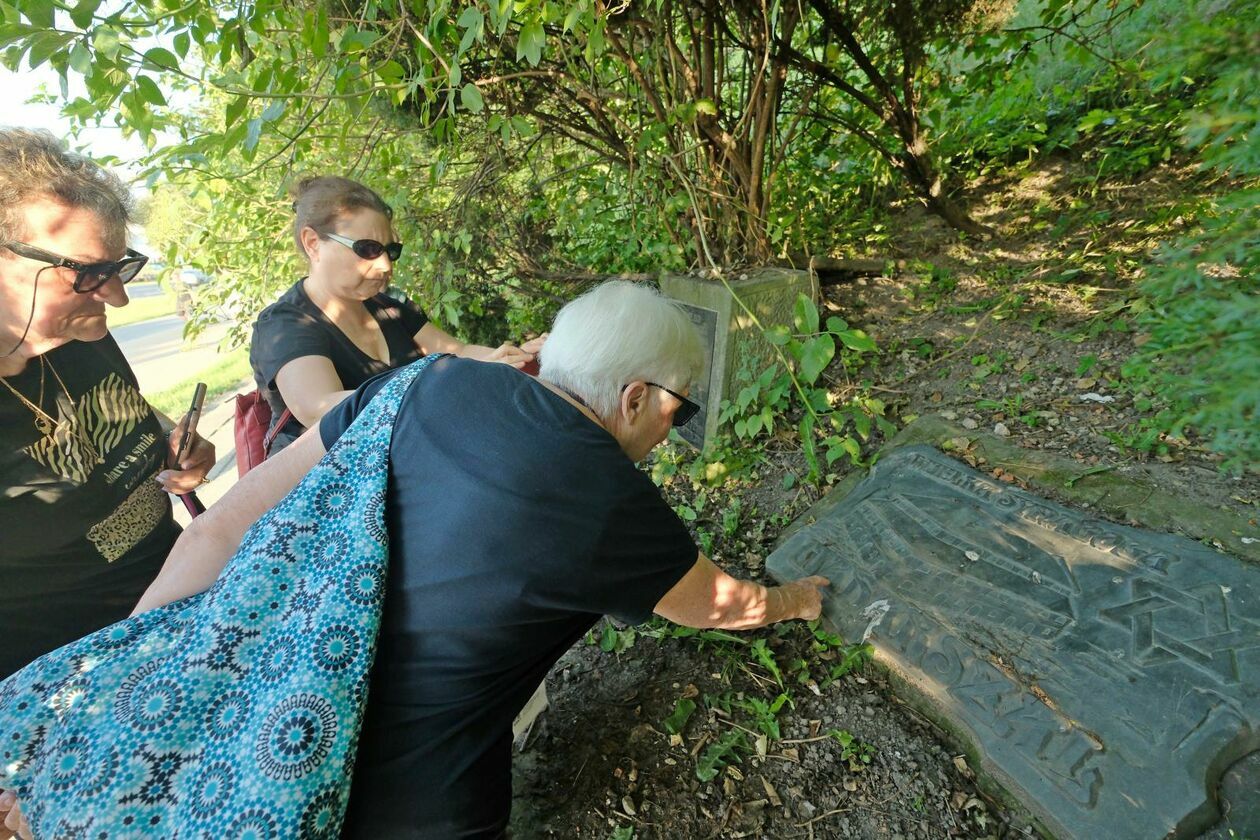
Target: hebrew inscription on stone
[1106,675]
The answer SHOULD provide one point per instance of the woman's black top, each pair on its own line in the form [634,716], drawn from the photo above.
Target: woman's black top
[294,327]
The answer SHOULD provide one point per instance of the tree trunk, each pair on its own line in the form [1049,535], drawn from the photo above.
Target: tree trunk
[916,161]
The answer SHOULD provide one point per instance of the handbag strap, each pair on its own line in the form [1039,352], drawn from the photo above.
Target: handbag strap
[270,437]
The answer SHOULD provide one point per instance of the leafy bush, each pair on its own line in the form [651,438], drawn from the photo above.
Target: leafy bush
[1099,77]
[1203,323]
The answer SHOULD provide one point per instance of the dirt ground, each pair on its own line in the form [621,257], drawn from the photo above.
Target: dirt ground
[1010,336]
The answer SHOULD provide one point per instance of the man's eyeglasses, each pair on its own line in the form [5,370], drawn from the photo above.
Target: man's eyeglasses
[685,412]
[368,249]
[89,276]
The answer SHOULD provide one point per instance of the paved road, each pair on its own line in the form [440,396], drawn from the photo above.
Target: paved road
[159,355]
[143,290]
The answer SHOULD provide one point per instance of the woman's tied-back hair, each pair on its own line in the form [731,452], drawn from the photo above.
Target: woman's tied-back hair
[617,333]
[318,202]
[35,165]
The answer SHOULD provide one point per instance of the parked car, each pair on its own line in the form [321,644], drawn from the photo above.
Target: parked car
[183,283]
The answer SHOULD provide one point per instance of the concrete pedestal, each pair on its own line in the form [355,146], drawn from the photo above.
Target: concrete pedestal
[731,338]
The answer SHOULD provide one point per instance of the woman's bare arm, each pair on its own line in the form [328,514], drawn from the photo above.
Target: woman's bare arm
[310,386]
[433,339]
[204,548]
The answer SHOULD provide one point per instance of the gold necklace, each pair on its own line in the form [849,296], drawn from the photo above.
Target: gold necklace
[45,424]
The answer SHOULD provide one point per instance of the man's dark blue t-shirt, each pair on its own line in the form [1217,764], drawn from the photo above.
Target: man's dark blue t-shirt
[515,523]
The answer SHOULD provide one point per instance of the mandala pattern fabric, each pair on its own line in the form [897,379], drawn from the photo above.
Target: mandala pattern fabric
[233,713]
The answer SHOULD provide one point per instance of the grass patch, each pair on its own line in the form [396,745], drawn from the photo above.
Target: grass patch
[223,378]
[142,309]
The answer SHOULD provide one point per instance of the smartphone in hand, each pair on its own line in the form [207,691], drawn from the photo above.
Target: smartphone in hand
[191,418]
[190,424]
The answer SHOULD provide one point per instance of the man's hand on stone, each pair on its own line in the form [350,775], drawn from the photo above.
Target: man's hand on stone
[806,596]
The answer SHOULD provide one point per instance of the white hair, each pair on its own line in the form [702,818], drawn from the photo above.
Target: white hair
[617,333]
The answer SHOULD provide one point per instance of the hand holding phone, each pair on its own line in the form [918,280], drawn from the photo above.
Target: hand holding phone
[189,423]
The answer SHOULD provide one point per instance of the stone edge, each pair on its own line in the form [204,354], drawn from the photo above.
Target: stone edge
[1047,474]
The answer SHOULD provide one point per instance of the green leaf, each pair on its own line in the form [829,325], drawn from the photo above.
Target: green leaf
[856,340]
[837,446]
[608,639]
[319,33]
[160,58]
[817,354]
[12,32]
[676,722]
[835,324]
[471,17]
[595,41]
[273,111]
[105,42]
[40,13]
[530,42]
[862,423]
[571,19]
[722,752]
[80,58]
[149,91]
[234,110]
[82,13]
[353,40]
[44,45]
[806,315]
[253,134]
[778,335]
[470,98]
[181,43]
[806,430]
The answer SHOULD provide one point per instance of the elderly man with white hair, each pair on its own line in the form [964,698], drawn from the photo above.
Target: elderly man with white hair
[516,518]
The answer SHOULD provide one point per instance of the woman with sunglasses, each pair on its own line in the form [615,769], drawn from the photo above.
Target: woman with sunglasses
[84,524]
[336,328]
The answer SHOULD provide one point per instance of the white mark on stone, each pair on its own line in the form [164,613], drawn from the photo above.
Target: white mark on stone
[1036,577]
[973,556]
[1098,398]
[874,613]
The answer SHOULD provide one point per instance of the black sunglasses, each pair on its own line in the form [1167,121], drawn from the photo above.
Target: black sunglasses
[369,249]
[89,276]
[685,412]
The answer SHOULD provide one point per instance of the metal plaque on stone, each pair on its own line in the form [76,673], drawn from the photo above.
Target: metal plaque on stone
[706,325]
[1105,676]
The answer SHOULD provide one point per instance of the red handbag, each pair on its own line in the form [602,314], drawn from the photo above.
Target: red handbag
[253,431]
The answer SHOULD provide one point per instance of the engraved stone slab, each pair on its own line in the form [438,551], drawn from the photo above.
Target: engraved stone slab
[1105,676]
[734,341]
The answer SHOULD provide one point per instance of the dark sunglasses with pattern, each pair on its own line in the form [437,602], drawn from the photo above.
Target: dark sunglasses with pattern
[368,249]
[88,276]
